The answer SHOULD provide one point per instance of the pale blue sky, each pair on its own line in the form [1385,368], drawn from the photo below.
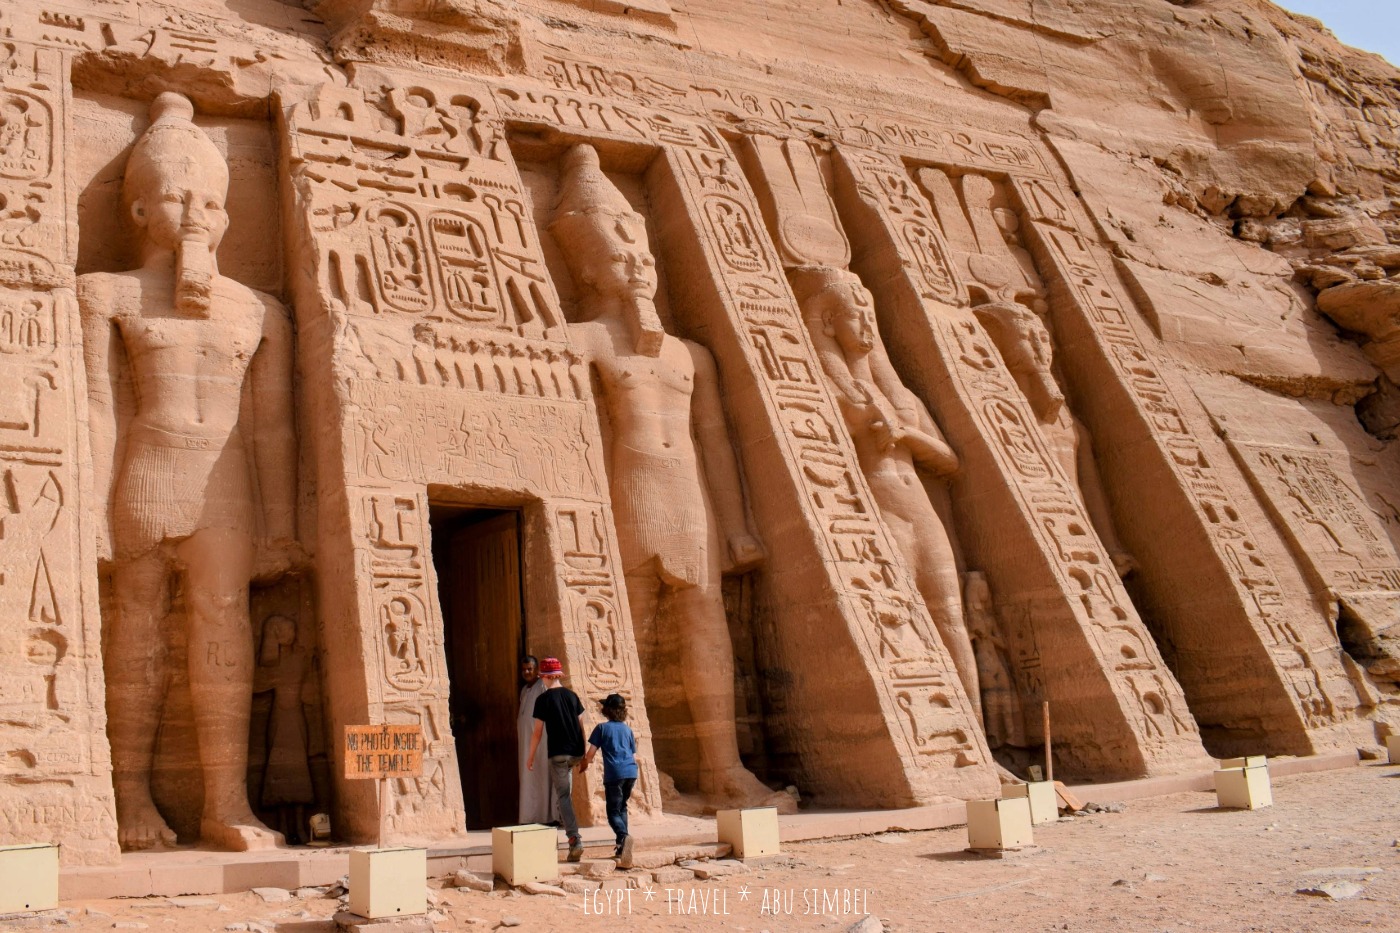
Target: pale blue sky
[1373,25]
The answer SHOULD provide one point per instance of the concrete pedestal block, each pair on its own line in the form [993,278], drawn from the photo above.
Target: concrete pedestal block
[388,882]
[1248,761]
[1392,745]
[751,833]
[521,854]
[1243,788]
[999,824]
[1045,805]
[28,878]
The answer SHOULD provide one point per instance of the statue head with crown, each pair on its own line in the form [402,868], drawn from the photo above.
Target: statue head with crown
[1024,343]
[175,187]
[605,245]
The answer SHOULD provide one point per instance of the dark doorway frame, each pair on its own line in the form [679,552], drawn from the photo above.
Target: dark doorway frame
[470,545]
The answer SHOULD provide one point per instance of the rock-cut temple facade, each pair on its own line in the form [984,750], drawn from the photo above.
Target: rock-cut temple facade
[840,381]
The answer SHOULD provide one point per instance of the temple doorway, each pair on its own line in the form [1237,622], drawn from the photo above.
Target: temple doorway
[477,556]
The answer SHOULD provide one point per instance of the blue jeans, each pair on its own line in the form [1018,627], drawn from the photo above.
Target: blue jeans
[617,794]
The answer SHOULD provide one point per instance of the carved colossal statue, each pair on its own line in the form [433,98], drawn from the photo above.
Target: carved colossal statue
[679,523]
[1024,344]
[198,468]
[894,435]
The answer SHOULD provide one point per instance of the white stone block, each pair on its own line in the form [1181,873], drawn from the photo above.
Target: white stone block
[1243,788]
[1045,804]
[521,854]
[751,833]
[999,824]
[388,882]
[28,878]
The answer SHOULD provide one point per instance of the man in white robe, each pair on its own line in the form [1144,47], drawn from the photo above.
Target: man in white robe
[537,804]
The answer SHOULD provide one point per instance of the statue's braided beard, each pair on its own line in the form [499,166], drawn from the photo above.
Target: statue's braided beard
[194,275]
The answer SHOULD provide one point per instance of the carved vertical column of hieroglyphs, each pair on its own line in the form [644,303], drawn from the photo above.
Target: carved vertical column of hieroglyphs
[432,348]
[1075,638]
[874,707]
[1259,667]
[55,766]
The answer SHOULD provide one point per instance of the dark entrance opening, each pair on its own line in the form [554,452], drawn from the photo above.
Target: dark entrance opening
[477,556]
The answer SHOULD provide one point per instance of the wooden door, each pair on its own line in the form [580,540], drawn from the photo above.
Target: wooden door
[479,578]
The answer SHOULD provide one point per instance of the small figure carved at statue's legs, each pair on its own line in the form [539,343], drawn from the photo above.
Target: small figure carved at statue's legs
[218,564]
[707,673]
[135,666]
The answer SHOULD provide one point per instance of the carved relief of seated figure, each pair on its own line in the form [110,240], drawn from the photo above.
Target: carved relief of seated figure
[211,369]
[675,486]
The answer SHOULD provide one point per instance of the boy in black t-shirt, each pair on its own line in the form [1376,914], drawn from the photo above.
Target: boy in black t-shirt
[560,710]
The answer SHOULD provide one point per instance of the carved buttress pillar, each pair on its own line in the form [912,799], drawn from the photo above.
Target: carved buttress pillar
[432,346]
[1074,636]
[1260,666]
[869,696]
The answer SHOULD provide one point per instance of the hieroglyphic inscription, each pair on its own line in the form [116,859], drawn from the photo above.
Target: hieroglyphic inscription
[914,673]
[581,93]
[420,436]
[1317,499]
[54,758]
[1007,426]
[413,213]
[444,356]
[410,687]
[1073,261]
[33,222]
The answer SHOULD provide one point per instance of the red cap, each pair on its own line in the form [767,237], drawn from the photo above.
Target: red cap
[550,667]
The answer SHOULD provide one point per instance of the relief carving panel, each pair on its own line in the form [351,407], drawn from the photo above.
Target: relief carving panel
[55,762]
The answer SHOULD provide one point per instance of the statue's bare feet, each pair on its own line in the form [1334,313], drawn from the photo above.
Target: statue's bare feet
[140,826]
[737,787]
[241,834]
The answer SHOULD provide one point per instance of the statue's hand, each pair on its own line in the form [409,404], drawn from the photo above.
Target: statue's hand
[882,432]
[104,543]
[745,552]
[278,556]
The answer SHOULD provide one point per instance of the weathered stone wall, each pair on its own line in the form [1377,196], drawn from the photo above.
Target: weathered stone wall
[982,354]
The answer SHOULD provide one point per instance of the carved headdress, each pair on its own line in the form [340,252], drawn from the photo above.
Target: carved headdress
[591,219]
[174,148]
[1024,343]
[172,144]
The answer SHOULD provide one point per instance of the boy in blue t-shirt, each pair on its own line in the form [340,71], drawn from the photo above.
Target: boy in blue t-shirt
[614,737]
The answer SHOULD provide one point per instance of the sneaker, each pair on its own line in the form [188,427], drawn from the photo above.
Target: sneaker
[575,850]
[624,854]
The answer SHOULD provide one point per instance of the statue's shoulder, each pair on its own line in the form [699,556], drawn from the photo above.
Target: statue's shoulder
[592,337]
[269,306]
[700,356]
[99,291]
[236,289]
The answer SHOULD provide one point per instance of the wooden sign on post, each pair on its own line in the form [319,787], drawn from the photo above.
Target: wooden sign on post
[380,753]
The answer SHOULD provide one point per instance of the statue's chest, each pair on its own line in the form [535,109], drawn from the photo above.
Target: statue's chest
[670,372]
[202,343]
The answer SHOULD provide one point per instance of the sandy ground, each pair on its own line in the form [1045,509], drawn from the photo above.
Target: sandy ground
[1164,864]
